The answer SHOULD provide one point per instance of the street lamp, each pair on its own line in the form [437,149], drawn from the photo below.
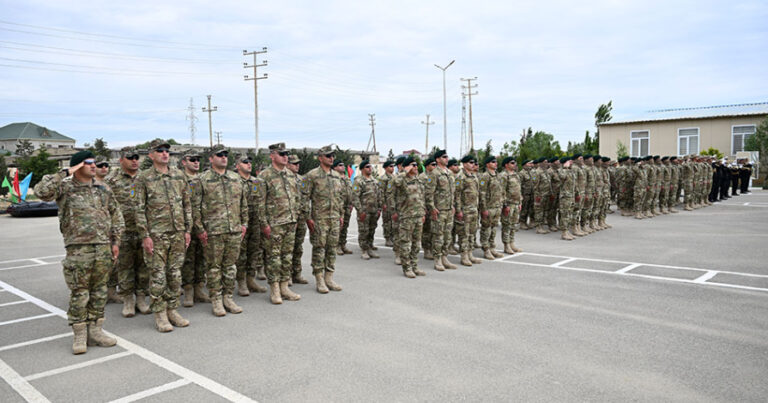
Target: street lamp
[445,125]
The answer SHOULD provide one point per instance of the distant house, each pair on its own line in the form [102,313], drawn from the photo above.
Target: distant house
[684,131]
[11,134]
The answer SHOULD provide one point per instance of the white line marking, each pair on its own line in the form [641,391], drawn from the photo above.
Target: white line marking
[38,261]
[27,343]
[562,262]
[9,322]
[628,268]
[706,276]
[21,386]
[79,365]
[13,303]
[153,391]
[746,204]
[22,260]
[25,266]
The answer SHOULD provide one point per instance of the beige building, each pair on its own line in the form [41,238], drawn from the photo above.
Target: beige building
[684,131]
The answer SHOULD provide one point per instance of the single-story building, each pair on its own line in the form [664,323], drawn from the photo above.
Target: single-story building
[684,131]
[11,134]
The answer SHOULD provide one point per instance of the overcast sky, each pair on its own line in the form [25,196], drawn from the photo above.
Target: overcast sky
[126,71]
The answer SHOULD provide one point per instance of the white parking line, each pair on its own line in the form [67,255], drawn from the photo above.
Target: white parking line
[36,261]
[152,391]
[13,303]
[706,276]
[628,268]
[41,340]
[10,322]
[73,367]
[562,262]
[20,385]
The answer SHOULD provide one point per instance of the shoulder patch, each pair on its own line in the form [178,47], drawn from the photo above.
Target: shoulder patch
[389,185]
[482,182]
[429,179]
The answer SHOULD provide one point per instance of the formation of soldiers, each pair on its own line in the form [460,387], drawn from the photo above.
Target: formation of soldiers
[181,236]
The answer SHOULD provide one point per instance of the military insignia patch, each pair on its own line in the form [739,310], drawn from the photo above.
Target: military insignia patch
[255,187]
[355,187]
[429,179]
[482,182]
[132,192]
[458,183]
[389,185]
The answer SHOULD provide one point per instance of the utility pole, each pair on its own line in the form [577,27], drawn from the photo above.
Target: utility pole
[218,137]
[372,123]
[255,80]
[426,141]
[191,118]
[445,124]
[210,125]
[463,124]
[469,87]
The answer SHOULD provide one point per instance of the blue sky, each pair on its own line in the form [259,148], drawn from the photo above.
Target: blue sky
[126,72]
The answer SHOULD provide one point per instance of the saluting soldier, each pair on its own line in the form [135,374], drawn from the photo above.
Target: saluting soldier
[367,201]
[409,197]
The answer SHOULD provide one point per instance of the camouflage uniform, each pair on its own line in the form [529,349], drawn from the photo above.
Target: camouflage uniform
[466,202]
[567,178]
[301,224]
[278,209]
[554,203]
[542,188]
[605,206]
[687,176]
[193,270]
[439,195]
[386,214]
[426,232]
[367,199]
[510,182]
[249,245]
[409,198]
[666,183]
[90,221]
[674,172]
[347,210]
[491,200]
[389,196]
[588,200]
[326,197]
[640,188]
[579,173]
[526,186]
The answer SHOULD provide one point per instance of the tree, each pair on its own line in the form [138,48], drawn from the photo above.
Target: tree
[488,150]
[100,149]
[24,148]
[621,150]
[39,165]
[759,142]
[602,115]
[540,144]
[713,152]
[391,155]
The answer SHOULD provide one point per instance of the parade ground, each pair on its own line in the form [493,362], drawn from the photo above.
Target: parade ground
[673,308]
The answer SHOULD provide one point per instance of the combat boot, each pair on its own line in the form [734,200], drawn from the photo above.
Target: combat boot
[487,254]
[161,322]
[112,295]
[452,250]
[408,273]
[218,307]
[398,261]
[515,248]
[389,243]
[508,249]
[541,230]
[639,215]
[189,296]
[576,231]
[552,228]
[250,281]
[346,250]
[260,273]
[605,224]
[673,210]
[664,210]
[321,287]
[200,294]
[373,247]
[596,225]
[129,306]
[465,261]
[339,251]
[372,254]
[418,272]
[286,292]
[298,279]
[242,288]
[524,225]
[428,254]
[688,207]
[647,214]
[230,305]
[364,255]
[176,319]
[141,303]
[495,253]
[79,345]
[447,264]
[566,236]
[330,283]
[473,259]
[97,337]
[439,264]
[274,293]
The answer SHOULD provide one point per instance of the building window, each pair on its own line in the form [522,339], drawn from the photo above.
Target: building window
[739,136]
[639,145]
[688,141]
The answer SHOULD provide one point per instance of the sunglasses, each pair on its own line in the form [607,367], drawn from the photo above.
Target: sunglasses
[102,165]
[433,164]
[193,159]
[88,162]
[414,164]
[162,150]
[328,155]
[245,161]
[134,157]
[283,153]
[222,154]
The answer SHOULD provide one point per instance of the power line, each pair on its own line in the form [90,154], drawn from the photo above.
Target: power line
[426,141]
[100,69]
[469,87]
[372,123]
[255,80]
[210,125]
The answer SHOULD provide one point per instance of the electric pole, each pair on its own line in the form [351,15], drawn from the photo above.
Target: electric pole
[191,118]
[462,147]
[445,124]
[426,141]
[210,125]
[255,80]
[218,137]
[469,87]
[372,123]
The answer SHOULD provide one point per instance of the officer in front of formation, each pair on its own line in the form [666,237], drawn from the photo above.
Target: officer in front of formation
[408,192]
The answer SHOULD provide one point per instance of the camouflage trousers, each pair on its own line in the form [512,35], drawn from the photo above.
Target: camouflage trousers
[86,270]
[457,231]
[467,237]
[488,228]
[639,200]
[386,223]
[221,256]
[539,209]
[345,226]
[597,207]
[298,245]
[588,202]
[257,257]
[410,236]
[553,208]
[165,270]
[279,250]
[442,233]
[526,211]
[396,236]
[672,195]
[193,270]
[366,229]
[324,240]
[132,273]
[663,195]
[426,235]
[565,206]
[508,223]
[578,202]
[656,195]
[244,266]
[688,191]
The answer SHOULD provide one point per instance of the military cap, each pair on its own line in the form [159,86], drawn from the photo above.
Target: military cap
[277,147]
[563,160]
[452,162]
[467,158]
[674,158]
[507,160]
[525,162]
[100,159]
[239,157]
[294,159]
[553,159]
[157,143]
[606,159]
[633,159]
[399,160]
[217,148]
[325,150]
[587,156]
[664,158]
[624,158]
[656,157]
[597,157]
[577,155]
[79,157]
[388,163]
[408,161]
[488,159]
[128,151]
[337,163]
[429,160]
[363,164]
[439,153]
[190,153]
[648,158]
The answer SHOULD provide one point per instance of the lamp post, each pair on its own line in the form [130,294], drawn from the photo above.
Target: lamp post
[445,125]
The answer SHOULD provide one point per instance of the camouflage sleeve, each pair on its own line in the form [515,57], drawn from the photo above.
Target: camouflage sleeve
[261,202]
[429,192]
[357,190]
[141,207]
[187,205]
[244,191]
[485,183]
[49,188]
[197,204]
[457,200]
[118,225]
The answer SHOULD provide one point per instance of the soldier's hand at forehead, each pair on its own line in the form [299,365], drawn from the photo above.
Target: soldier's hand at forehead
[75,168]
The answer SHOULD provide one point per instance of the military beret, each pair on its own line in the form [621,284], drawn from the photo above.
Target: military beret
[656,157]
[563,160]
[325,150]
[633,159]
[467,158]
[452,162]
[624,158]
[577,155]
[597,157]
[408,161]
[525,162]
[277,147]
[553,159]
[399,160]
[674,158]
[363,164]
[79,157]
[664,158]
[429,160]
[388,163]
[157,143]
[337,163]
[128,151]
[606,159]
[190,153]
[439,153]
[507,160]
[488,159]
[587,156]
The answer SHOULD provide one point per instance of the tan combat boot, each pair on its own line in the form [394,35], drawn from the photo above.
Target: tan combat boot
[286,292]
[514,247]
[596,225]
[330,283]
[552,228]
[447,264]
[439,264]
[408,273]
[648,214]
[81,338]
[176,319]
[688,207]
[346,250]
[242,288]
[398,261]
[97,337]
[230,305]
[508,248]
[389,243]
[606,225]
[364,255]
[452,250]
[274,293]
[673,210]
[373,254]
[260,273]
[200,294]
[496,253]
[465,259]
[298,279]
[339,251]
[250,281]
[473,259]
[524,225]
[418,272]
[112,295]
[639,215]
[566,236]
[576,231]
[488,255]
[189,296]
[129,306]
[320,281]
[217,307]
[161,322]
[141,303]
[428,255]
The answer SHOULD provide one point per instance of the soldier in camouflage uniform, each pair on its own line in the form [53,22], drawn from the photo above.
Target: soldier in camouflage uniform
[666,179]
[490,204]
[409,198]
[426,232]
[458,226]
[326,197]
[389,196]
[249,245]
[341,169]
[641,187]
[164,223]
[554,202]
[597,164]
[674,170]
[102,172]
[301,229]
[510,212]
[567,178]
[622,178]
[132,274]
[91,223]
[466,207]
[367,201]
[588,198]
[686,173]
[220,215]
[526,185]
[580,192]
[605,205]
[386,214]
[438,195]
[542,188]
[193,270]
[277,212]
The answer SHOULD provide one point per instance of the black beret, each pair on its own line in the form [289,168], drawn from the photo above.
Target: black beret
[337,163]
[488,159]
[664,158]
[563,160]
[429,160]
[587,156]
[388,163]
[553,159]
[439,153]
[577,155]
[452,162]
[79,157]
[467,158]
[673,158]
[408,161]
[525,162]
[507,160]
[606,159]
[624,158]
[399,160]
[363,164]
[656,157]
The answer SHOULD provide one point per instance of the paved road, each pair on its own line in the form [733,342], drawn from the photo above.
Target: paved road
[672,308]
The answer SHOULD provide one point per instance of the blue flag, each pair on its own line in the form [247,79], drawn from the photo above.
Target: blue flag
[24,186]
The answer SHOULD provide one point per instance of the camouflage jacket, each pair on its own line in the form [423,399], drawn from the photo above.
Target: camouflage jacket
[384,181]
[219,203]
[606,181]
[163,202]
[367,195]
[88,213]
[599,180]
[674,173]
[567,178]
[541,184]
[123,186]
[491,191]
[326,194]
[641,176]
[526,185]
[579,172]
[277,200]
[589,181]
[510,182]
[440,190]
[389,194]
[302,196]
[467,192]
[554,180]
[409,196]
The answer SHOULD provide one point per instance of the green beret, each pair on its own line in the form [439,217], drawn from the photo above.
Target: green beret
[673,158]
[429,160]
[577,155]
[363,164]
[408,161]
[452,162]
[656,157]
[79,157]
[388,163]
[664,158]
[439,153]
[467,158]
[553,159]
[337,163]
[587,156]
[563,160]
[507,160]
[624,158]
[399,160]
[606,159]
[488,159]
[525,162]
